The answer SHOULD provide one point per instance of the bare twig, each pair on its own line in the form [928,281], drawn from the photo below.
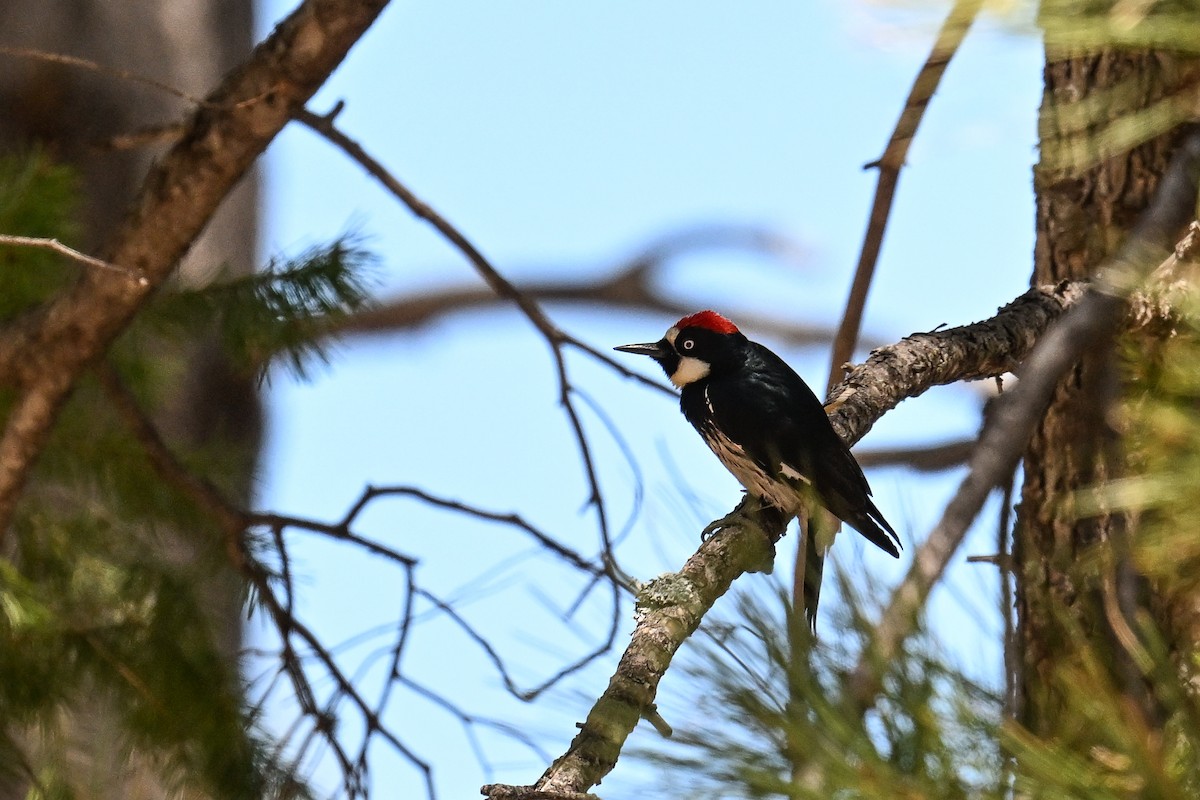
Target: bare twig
[951,35]
[341,530]
[354,770]
[954,29]
[513,520]
[34,54]
[69,252]
[169,132]
[555,338]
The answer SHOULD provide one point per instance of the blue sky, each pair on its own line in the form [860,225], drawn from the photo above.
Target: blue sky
[559,137]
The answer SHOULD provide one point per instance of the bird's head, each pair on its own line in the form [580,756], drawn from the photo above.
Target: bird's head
[693,347]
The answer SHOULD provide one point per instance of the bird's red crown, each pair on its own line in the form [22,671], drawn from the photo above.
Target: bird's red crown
[710,320]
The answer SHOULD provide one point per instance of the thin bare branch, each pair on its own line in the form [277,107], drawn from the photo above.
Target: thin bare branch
[33,54]
[555,338]
[300,648]
[70,252]
[954,29]
[354,770]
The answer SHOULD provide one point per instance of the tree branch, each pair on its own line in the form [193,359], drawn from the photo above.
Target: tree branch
[672,606]
[929,458]
[43,353]
[953,30]
[1097,315]
[56,246]
[630,283]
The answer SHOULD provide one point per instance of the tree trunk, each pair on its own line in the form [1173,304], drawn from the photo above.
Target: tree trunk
[71,113]
[1083,215]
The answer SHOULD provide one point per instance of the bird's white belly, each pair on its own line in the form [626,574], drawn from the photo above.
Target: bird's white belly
[749,474]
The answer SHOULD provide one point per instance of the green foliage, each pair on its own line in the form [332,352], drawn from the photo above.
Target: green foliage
[93,611]
[1163,438]
[105,604]
[1135,732]
[1109,747]
[37,200]
[778,721]
[1077,25]
[284,312]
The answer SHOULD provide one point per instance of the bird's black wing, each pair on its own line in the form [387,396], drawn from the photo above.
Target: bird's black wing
[781,424]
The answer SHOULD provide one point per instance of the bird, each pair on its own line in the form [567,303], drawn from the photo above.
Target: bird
[767,427]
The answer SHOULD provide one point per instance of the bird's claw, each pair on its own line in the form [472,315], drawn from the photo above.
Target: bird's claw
[737,518]
[714,528]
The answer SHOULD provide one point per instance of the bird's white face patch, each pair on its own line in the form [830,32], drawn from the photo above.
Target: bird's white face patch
[689,370]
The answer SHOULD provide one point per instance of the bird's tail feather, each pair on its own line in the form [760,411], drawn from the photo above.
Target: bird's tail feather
[820,528]
[871,524]
[814,566]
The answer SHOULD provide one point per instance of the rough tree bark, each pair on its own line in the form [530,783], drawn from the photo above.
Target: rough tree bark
[1083,215]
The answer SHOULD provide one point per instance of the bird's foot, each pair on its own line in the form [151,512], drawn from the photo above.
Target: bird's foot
[751,512]
[737,518]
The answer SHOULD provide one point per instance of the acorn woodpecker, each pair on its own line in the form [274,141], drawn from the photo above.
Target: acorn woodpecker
[768,429]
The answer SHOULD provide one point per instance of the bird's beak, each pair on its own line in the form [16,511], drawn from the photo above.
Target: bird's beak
[653,349]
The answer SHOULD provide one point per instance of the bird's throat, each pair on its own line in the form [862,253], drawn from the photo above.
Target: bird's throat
[689,370]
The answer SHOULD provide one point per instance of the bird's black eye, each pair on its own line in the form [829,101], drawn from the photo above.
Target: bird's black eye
[688,344]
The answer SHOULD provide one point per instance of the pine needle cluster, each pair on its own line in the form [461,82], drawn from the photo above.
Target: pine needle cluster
[779,720]
[282,314]
[100,598]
